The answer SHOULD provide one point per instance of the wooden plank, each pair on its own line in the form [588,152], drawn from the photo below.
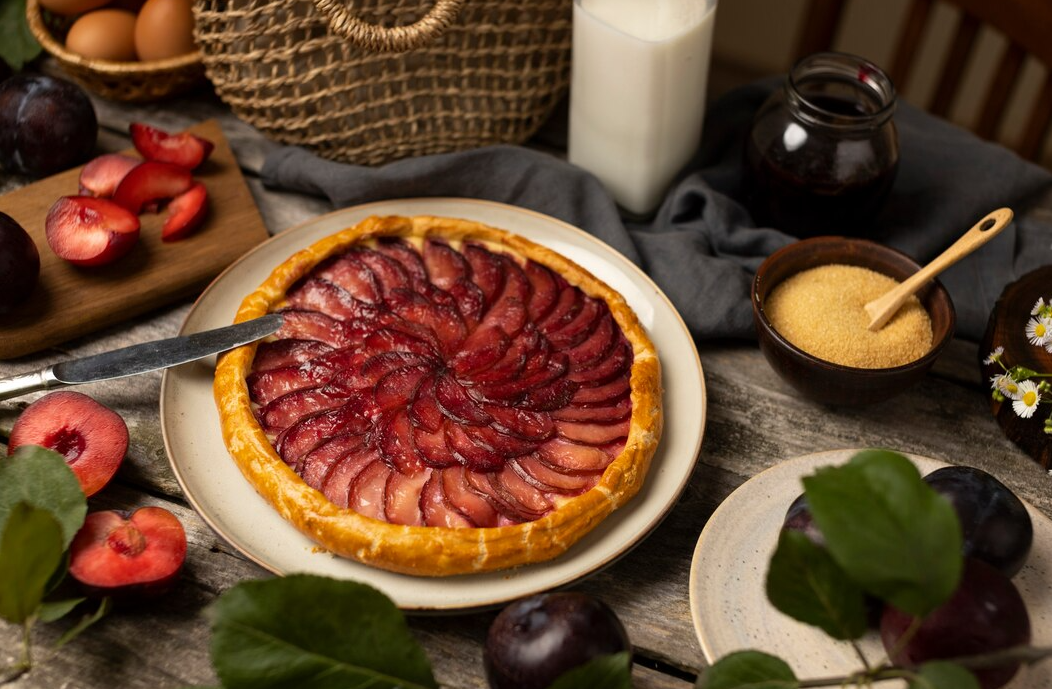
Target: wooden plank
[70,301]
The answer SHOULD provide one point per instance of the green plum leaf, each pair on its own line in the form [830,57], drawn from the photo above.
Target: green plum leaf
[943,675]
[613,671]
[17,43]
[41,478]
[804,582]
[890,531]
[30,551]
[748,670]
[312,632]
[55,610]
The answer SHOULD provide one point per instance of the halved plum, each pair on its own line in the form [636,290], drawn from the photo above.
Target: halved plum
[89,232]
[92,437]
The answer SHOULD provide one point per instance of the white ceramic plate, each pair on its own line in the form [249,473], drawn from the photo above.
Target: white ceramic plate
[226,501]
[731,611]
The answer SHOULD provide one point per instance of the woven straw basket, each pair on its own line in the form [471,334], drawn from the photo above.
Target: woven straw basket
[378,80]
[135,82]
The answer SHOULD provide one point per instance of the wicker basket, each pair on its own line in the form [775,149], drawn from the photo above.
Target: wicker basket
[136,82]
[396,79]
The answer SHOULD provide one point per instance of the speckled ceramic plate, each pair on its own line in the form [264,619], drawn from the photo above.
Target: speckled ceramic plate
[227,502]
[731,611]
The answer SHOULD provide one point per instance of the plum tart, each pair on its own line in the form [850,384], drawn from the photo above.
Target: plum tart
[443,398]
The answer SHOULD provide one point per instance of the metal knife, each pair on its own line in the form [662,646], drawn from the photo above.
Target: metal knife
[140,358]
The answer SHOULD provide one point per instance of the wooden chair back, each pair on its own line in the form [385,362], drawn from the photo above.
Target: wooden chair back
[1026,26]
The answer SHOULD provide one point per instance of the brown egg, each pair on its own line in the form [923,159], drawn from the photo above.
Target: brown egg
[68,8]
[164,29]
[103,35]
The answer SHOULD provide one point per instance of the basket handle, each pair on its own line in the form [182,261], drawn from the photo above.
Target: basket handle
[395,39]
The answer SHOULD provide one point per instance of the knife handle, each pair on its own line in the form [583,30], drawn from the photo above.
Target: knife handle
[28,382]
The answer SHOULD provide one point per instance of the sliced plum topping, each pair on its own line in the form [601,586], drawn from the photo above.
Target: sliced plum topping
[439,384]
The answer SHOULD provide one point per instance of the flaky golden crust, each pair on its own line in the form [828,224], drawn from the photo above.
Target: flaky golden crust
[429,550]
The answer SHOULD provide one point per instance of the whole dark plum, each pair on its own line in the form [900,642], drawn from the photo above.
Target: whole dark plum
[994,522]
[46,125]
[798,518]
[985,614]
[19,264]
[535,640]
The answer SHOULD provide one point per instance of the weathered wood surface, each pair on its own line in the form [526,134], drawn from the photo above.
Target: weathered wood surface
[753,421]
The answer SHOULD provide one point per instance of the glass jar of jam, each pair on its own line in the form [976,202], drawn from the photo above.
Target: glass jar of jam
[822,152]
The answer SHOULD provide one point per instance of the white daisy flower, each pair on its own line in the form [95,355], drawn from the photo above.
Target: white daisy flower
[994,355]
[1026,403]
[1040,304]
[1004,384]
[1039,331]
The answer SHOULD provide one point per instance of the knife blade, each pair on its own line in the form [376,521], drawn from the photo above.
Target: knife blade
[140,358]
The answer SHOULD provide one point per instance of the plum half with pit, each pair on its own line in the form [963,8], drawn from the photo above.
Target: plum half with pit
[985,614]
[133,555]
[47,125]
[19,264]
[92,437]
[535,640]
[994,522]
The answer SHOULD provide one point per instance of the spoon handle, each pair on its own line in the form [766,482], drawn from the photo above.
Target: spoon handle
[882,309]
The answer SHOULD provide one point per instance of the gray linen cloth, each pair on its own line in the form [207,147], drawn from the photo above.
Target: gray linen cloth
[702,246]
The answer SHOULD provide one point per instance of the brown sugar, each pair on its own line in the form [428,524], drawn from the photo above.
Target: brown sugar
[821,311]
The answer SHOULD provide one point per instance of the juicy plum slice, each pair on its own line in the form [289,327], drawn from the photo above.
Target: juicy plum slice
[544,290]
[303,436]
[311,325]
[482,349]
[524,497]
[533,470]
[521,423]
[469,453]
[570,302]
[618,362]
[396,388]
[600,394]
[268,386]
[101,175]
[150,182]
[351,274]
[511,391]
[487,270]
[398,249]
[445,265]
[562,455]
[389,272]
[444,322]
[186,213]
[288,409]
[317,465]
[456,403]
[337,483]
[501,443]
[319,294]
[465,499]
[281,353]
[509,510]
[578,329]
[609,412]
[402,497]
[367,492]
[436,509]
[593,433]
[137,554]
[596,346]
[555,395]
[184,149]
[424,411]
[391,340]
[470,300]
[432,448]
[507,314]
[514,360]
[394,440]
[92,437]
[90,232]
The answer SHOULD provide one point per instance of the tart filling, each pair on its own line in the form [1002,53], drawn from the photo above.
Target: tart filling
[443,397]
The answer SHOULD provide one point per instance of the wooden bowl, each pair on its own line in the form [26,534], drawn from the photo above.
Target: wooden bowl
[132,82]
[824,381]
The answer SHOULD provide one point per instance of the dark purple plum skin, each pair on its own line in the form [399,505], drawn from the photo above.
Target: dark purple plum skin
[47,125]
[985,614]
[19,264]
[994,522]
[535,640]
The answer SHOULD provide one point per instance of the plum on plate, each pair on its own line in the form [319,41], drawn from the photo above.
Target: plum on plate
[47,125]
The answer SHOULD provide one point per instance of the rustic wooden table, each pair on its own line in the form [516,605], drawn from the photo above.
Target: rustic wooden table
[753,422]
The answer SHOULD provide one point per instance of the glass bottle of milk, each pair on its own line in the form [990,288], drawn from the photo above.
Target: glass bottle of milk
[637,92]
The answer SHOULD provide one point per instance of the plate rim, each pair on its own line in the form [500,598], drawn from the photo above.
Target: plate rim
[624,264]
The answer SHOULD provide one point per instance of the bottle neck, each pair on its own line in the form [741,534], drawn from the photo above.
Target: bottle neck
[840,91]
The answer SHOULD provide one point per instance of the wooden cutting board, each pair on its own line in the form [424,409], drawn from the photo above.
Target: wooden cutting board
[70,301]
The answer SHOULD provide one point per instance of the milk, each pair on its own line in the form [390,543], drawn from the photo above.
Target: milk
[637,93]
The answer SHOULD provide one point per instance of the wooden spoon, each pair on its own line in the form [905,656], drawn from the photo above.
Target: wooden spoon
[881,309]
